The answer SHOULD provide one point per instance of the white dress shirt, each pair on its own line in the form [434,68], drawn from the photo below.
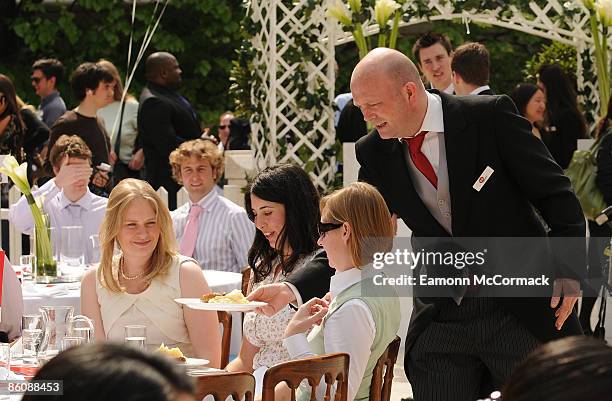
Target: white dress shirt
[225,233]
[480,89]
[352,317]
[62,212]
[450,89]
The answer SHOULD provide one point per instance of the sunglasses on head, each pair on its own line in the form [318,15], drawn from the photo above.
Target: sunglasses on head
[325,227]
[223,126]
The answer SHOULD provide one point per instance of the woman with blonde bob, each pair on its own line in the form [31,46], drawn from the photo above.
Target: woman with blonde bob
[355,223]
[139,284]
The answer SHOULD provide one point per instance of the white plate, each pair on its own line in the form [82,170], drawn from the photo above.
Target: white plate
[196,303]
[195,362]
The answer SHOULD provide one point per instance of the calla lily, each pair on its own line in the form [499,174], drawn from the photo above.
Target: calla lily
[355,5]
[340,12]
[589,4]
[604,10]
[17,173]
[383,10]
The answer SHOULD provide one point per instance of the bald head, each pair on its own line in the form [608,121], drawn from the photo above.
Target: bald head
[163,69]
[387,64]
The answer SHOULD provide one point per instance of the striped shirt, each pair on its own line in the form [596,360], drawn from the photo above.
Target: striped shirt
[225,233]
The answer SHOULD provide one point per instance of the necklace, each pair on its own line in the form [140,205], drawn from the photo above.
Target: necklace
[125,277]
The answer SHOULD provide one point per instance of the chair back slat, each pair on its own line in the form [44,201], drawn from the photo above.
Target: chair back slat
[221,385]
[382,375]
[225,319]
[333,368]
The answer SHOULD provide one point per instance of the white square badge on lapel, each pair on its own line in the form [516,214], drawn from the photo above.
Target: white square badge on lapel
[484,177]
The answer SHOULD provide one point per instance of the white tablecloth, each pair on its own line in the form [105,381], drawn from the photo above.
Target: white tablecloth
[69,294]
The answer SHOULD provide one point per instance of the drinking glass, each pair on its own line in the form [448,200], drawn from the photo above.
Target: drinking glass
[82,332]
[28,264]
[32,334]
[69,342]
[5,361]
[94,246]
[72,251]
[136,335]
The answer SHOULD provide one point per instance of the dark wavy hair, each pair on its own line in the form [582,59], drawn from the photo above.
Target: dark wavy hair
[107,371]
[560,95]
[573,368]
[290,186]
[7,90]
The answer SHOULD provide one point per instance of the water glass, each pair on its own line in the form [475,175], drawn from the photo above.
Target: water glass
[32,334]
[72,251]
[5,361]
[94,245]
[69,342]
[82,332]
[28,264]
[136,336]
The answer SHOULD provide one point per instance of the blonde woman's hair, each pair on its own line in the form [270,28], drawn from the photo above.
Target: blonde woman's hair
[120,198]
[201,149]
[364,209]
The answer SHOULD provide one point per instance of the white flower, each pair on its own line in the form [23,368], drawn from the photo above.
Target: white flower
[355,5]
[17,173]
[383,10]
[604,10]
[340,12]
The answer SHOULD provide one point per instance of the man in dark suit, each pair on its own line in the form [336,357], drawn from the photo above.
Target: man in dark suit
[470,70]
[458,348]
[165,120]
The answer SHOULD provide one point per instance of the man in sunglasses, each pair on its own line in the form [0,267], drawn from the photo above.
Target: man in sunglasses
[47,74]
[224,129]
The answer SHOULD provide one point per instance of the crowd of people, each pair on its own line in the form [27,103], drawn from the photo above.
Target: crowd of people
[99,165]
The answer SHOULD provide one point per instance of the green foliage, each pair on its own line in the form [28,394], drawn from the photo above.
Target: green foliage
[202,34]
[554,53]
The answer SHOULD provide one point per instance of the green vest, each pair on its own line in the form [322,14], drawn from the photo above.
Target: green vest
[383,303]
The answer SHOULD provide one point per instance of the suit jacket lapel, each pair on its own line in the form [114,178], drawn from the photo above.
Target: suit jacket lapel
[461,150]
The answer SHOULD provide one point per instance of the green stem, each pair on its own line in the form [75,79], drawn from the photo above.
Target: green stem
[602,68]
[395,29]
[382,38]
[360,40]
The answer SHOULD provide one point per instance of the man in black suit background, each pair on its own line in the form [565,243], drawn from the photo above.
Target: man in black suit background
[165,120]
[458,348]
[470,70]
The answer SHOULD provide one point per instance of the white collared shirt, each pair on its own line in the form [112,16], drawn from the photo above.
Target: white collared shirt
[352,317]
[57,206]
[480,89]
[225,233]
[434,124]
[450,89]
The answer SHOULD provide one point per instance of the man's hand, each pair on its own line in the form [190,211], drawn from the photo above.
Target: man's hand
[312,312]
[100,179]
[137,160]
[277,296]
[112,158]
[68,174]
[570,290]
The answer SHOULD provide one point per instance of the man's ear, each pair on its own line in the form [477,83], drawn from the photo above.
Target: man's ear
[53,80]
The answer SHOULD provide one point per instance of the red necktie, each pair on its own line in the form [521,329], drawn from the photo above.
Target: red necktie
[419,159]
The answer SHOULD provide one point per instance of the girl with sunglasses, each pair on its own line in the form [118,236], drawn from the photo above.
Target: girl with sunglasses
[12,127]
[284,205]
[357,316]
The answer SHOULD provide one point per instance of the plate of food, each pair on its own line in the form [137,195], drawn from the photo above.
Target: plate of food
[231,302]
[177,355]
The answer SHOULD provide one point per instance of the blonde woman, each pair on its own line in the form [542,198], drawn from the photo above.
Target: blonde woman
[355,223]
[140,283]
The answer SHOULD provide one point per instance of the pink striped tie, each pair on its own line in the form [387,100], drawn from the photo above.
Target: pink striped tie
[191,231]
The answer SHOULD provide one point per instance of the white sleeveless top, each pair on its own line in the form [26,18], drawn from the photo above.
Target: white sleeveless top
[154,308]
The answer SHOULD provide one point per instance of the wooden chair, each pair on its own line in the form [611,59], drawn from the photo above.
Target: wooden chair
[225,318]
[224,384]
[246,276]
[382,376]
[334,367]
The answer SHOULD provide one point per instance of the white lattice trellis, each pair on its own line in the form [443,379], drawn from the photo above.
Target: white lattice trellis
[277,91]
[287,83]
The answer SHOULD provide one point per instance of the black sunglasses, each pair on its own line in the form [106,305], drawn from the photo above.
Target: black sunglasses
[36,80]
[325,227]
[223,126]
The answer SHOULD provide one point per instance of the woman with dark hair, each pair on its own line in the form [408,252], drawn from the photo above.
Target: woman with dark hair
[565,122]
[108,371]
[571,369]
[284,204]
[12,127]
[531,103]
[599,237]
